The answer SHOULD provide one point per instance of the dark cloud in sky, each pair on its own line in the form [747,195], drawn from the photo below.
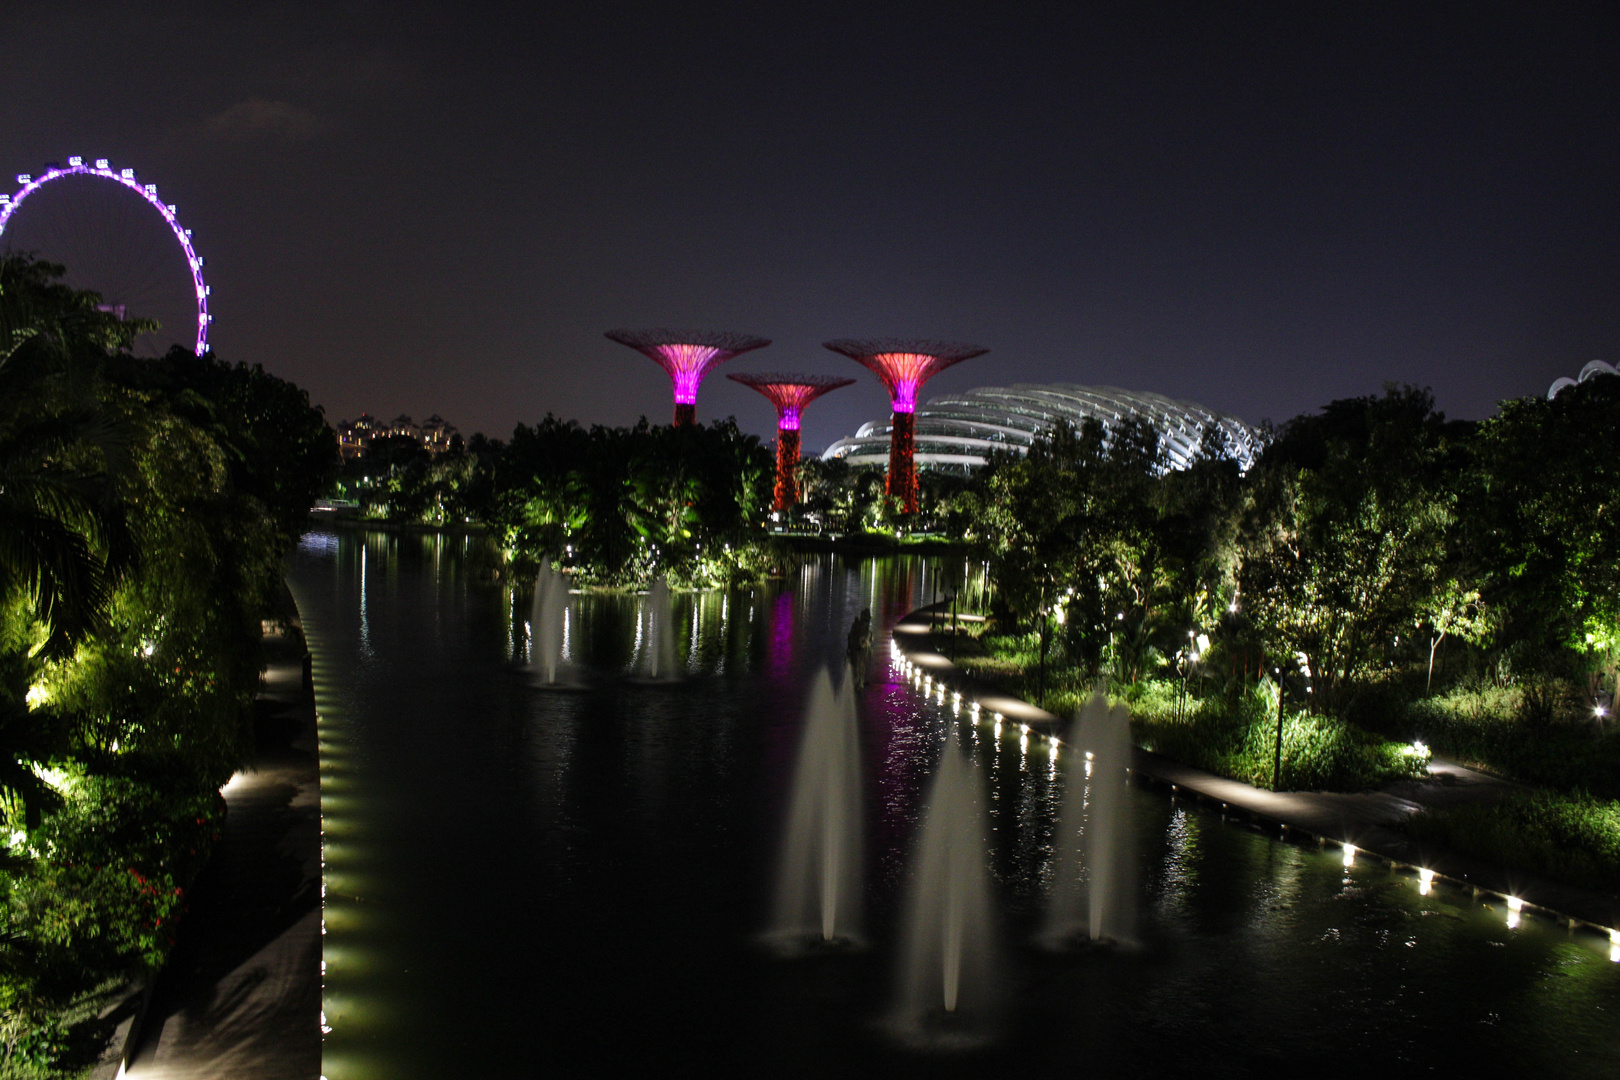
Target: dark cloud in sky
[420,209]
[257,118]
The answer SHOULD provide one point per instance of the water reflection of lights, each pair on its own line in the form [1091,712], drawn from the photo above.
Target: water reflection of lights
[935,690]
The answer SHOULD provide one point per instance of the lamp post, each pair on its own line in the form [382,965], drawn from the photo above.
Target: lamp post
[1040,684]
[1276,760]
[1185,664]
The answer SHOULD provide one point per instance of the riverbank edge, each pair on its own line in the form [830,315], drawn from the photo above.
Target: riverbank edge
[135,1045]
[864,545]
[1359,823]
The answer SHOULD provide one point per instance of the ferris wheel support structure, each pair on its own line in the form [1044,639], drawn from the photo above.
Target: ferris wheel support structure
[101,168]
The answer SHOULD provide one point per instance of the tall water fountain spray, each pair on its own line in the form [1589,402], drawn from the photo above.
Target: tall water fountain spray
[1095,891]
[948,947]
[547,615]
[657,659]
[818,887]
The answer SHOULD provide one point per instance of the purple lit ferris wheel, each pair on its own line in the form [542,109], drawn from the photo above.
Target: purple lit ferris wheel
[99,223]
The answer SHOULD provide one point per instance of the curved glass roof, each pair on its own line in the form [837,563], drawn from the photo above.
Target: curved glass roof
[1591,371]
[962,430]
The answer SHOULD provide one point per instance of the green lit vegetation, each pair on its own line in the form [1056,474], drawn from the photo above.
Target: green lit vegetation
[1572,838]
[617,507]
[145,509]
[1411,577]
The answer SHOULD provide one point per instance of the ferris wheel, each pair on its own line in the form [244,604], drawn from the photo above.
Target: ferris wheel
[99,223]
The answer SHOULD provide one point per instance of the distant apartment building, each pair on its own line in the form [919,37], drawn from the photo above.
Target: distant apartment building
[435,435]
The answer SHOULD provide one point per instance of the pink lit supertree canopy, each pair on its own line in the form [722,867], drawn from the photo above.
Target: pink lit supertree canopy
[688,356]
[790,394]
[904,365]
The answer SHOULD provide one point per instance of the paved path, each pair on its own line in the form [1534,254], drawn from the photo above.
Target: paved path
[240,997]
[1366,820]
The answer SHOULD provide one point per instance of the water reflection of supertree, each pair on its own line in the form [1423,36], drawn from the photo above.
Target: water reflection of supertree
[688,356]
[904,365]
[790,394]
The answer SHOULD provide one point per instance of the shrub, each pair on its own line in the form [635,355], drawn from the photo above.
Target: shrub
[1572,838]
[1319,753]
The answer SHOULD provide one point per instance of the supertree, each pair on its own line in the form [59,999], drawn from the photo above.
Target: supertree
[904,365]
[688,355]
[790,394]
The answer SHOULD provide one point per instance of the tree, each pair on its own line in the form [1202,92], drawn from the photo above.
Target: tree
[1540,537]
[1348,526]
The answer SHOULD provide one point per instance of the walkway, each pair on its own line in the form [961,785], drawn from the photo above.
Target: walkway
[1364,820]
[240,997]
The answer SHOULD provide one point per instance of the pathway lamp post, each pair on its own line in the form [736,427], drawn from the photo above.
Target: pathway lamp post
[1040,679]
[1276,759]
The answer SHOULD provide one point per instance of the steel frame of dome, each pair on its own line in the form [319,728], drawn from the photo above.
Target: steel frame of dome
[1593,369]
[960,431]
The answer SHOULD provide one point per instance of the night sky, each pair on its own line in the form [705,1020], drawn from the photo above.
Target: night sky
[441,208]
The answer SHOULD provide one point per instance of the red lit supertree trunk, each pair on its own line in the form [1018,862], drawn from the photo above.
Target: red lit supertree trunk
[904,365]
[785,493]
[790,394]
[688,356]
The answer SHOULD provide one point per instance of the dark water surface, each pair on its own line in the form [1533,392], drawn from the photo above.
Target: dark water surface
[526,882]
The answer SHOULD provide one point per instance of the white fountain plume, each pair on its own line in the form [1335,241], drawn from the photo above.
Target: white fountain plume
[818,889]
[657,661]
[1095,891]
[948,957]
[546,619]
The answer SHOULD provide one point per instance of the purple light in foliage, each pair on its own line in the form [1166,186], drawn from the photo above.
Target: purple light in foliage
[126,177]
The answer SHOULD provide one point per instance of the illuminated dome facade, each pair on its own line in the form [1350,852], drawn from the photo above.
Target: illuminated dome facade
[1590,371]
[959,432]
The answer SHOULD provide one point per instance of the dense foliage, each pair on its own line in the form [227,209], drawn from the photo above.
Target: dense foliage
[1421,578]
[617,506]
[145,508]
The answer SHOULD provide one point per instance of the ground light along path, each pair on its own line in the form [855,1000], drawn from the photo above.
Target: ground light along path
[1357,823]
[520,880]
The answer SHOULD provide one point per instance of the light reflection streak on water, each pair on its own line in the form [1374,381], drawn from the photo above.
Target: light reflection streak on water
[1234,902]
[365,620]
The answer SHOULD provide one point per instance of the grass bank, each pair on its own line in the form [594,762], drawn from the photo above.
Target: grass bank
[1232,736]
[1570,838]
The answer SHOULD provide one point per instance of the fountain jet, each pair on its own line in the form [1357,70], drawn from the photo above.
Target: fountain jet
[546,619]
[818,888]
[657,661]
[948,951]
[1095,880]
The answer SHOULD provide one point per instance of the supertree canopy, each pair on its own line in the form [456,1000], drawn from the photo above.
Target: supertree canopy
[790,394]
[904,365]
[688,356]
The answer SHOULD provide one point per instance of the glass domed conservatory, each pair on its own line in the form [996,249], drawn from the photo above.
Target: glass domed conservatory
[1590,371]
[958,432]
